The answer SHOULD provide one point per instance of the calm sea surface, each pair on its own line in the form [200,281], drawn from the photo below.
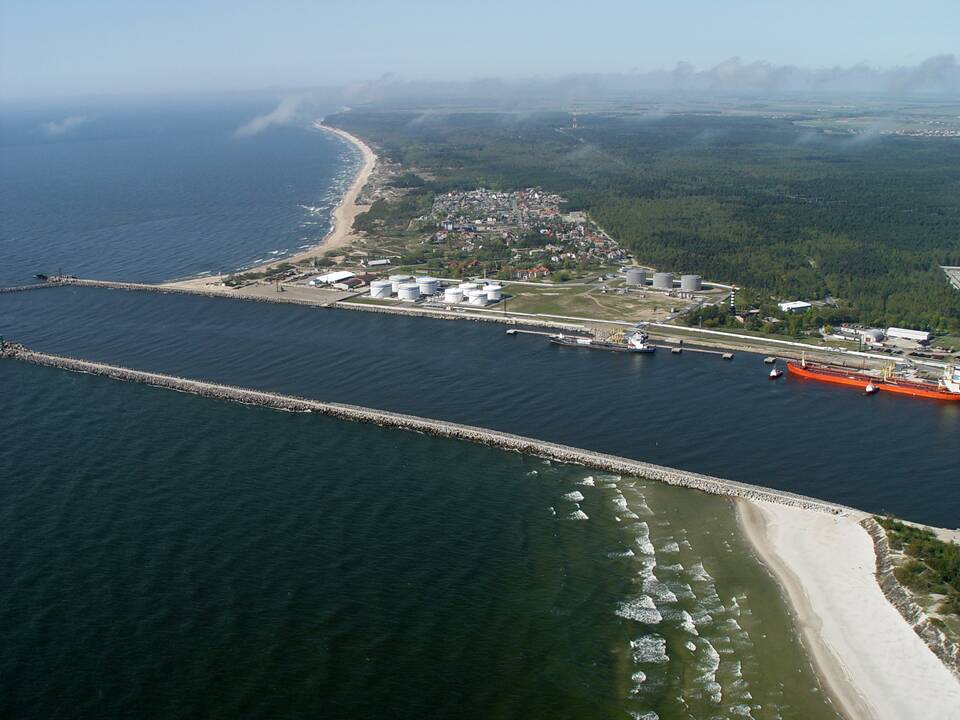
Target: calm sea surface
[881,453]
[173,557]
[156,192]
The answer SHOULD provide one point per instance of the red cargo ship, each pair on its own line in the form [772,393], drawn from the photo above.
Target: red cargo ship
[947,388]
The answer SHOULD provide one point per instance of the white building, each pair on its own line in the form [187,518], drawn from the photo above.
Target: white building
[797,306]
[917,336]
[332,277]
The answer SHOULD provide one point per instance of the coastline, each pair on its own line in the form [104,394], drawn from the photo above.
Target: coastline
[869,658]
[342,217]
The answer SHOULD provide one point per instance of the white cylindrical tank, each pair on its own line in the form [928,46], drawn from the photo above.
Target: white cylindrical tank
[494,293]
[409,291]
[398,280]
[452,295]
[663,280]
[691,283]
[468,286]
[477,296]
[636,276]
[381,288]
[428,285]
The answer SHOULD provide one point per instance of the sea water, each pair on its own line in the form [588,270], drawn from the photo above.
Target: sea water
[148,191]
[172,556]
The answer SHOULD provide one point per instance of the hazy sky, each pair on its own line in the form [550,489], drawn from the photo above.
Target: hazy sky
[52,48]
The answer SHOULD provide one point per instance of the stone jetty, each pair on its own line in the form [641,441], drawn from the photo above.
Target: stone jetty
[437,428]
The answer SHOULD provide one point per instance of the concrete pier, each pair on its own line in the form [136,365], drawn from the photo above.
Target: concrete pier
[437,428]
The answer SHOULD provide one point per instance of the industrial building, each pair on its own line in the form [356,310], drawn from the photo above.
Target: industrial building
[918,336]
[795,306]
[331,278]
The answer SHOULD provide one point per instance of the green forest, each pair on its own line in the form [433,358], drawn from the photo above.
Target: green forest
[785,211]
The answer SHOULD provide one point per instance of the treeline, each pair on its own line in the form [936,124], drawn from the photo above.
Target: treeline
[933,565]
[763,203]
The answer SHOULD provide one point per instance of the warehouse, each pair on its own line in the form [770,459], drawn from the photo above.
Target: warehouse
[917,336]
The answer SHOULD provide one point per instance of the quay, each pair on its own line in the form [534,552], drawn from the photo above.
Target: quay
[436,428]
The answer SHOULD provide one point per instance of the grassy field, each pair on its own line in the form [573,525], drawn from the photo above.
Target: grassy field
[586,301]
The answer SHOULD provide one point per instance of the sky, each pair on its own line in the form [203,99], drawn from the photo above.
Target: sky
[63,48]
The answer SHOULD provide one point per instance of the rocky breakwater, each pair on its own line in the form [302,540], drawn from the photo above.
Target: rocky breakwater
[437,428]
[941,645]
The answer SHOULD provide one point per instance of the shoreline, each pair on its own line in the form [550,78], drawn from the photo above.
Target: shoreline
[871,661]
[341,219]
[869,658]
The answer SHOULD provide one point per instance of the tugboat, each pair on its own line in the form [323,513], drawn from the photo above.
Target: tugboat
[636,341]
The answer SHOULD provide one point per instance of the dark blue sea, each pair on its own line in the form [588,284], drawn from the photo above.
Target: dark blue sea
[154,191]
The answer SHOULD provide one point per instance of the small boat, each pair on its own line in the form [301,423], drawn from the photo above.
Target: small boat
[770,360]
[870,389]
[775,373]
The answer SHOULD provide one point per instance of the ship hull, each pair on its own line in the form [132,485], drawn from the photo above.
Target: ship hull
[852,378]
[609,347]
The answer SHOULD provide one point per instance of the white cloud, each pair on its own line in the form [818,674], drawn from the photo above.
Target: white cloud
[61,127]
[283,114]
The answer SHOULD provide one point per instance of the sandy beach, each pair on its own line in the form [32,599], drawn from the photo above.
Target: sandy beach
[341,230]
[870,660]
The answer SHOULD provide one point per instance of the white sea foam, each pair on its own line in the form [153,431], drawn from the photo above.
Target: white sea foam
[682,590]
[670,547]
[643,538]
[532,473]
[677,567]
[629,515]
[588,481]
[620,503]
[641,609]
[648,715]
[656,589]
[697,572]
[553,510]
[647,564]
[741,711]
[639,677]
[702,617]
[628,553]
[575,496]
[649,649]
[690,646]
[578,515]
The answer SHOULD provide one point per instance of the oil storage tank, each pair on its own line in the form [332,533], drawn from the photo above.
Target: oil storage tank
[636,276]
[409,291]
[691,283]
[663,281]
[468,286]
[428,285]
[494,293]
[452,295]
[477,296]
[397,281]
[381,289]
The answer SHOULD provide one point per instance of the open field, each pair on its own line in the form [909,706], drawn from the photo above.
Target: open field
[587,301]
